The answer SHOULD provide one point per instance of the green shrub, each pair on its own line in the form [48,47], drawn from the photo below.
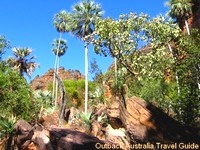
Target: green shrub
[43,100]
[75,90]
[15,94]
[86,118]
[6,125]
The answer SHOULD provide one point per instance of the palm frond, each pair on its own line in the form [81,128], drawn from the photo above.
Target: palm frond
[59,47]
[84,16]
[62,21]
[22,60]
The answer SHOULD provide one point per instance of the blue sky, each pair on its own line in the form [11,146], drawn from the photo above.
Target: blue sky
[30,24]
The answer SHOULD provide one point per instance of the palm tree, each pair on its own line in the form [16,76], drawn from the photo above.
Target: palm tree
[84,17]
[59,49]
[181,10]
[61,23]
[22,61]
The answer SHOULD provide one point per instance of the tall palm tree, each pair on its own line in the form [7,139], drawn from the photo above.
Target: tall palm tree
[181,10]
[84,16]
[59,49]
[61,23]
[22,61]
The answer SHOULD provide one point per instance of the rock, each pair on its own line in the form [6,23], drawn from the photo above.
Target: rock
[66,139]
[96,128]
[41,140]
[50,120]
[75,122]
[42,82]
[107,92]
[117,137]
[145,122]
[24,133]
[31,146]
[38,138]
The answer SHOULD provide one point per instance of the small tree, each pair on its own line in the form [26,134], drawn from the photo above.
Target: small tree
[148,49]
[22,61]
[15,94]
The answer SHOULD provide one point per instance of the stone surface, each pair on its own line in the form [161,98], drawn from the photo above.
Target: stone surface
[66,139]
[42,82]
[24,133]
[117,137]
[53,138]
[145,122]
[41,140]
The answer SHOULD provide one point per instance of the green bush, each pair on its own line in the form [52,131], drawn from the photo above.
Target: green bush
[75,90]
[15,94]
[43,102]
[85,118]
[6,125]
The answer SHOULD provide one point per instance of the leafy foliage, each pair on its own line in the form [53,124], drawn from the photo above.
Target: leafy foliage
[59,47]
[61,21]
[86,118]
[160,62]
[84,16]
[180,8]
[15,94]
[6,125]
[75,91]
[189,70]
[22,61]
[43,102]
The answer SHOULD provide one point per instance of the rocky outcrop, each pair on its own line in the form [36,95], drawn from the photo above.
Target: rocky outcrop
[53,138]
[146,123]
[116,126]
[42,82]
[72,140]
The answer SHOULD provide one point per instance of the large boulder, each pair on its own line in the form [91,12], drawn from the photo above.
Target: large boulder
[24,132]
[67,139]
[147,123]
[54,138]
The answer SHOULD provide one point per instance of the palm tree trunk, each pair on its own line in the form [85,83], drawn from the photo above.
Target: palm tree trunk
[54,78]
[187,27]
[115,61]
[86,77]
[177,78]
[57,72]
[55,84]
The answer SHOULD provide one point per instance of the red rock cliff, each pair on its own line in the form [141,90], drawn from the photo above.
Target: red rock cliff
[42,82]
